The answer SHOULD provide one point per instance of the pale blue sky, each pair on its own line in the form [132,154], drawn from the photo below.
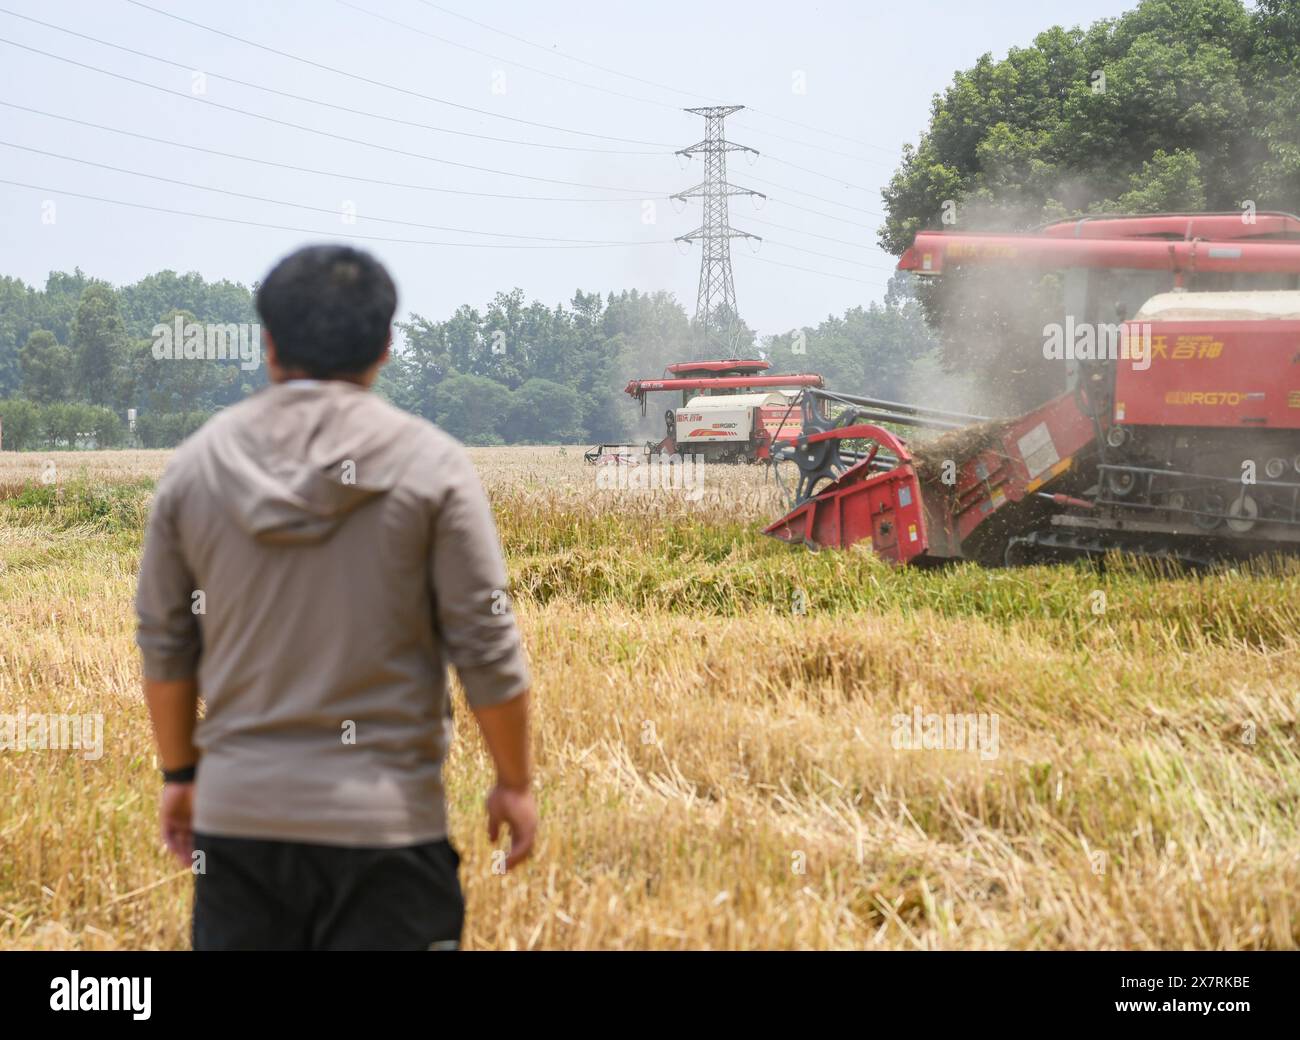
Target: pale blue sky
[869,71]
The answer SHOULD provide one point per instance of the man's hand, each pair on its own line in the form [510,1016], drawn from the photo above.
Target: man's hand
[173,707]
[177,813]
[517,809]
[505,731]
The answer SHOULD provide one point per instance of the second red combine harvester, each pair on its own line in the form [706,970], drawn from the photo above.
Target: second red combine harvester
[1185,443]
[731,410]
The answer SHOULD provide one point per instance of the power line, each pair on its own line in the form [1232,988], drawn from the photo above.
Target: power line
[826,256]
[809,270]
[812,234]
[314,130]
[818,173]
[309,231]
[648,82]
[818,213]
[389,86]
[361,178]
[320,173]
[386,220]
[375,238]
[820,147]
[604,90]
[327,104]
[507,61]
[818,198]
[552,242]
[378,220]
[377,115]
[570,57]
[819,130]
[321,209]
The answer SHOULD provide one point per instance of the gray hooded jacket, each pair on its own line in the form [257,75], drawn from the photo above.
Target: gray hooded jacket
[316,557]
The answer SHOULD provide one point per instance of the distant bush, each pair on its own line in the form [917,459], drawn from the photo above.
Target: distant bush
[21,422]
[29,426]
[107,428]
[168,429]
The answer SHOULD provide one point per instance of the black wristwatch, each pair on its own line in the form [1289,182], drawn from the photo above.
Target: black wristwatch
[184,775]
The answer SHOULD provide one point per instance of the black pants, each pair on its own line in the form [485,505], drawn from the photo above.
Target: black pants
[285,895]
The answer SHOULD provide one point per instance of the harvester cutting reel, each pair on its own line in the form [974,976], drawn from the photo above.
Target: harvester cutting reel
[822,456]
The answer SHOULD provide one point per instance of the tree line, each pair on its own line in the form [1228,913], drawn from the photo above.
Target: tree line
[77,357]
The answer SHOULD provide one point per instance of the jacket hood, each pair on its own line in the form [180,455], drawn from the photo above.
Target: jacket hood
[304,458]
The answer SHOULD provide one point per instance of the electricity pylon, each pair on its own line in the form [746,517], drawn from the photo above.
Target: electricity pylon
[717,294]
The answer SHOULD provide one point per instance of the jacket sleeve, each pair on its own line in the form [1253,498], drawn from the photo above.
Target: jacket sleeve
[168,630]
[476,622]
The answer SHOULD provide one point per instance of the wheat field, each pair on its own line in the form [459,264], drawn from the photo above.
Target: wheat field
[716,734]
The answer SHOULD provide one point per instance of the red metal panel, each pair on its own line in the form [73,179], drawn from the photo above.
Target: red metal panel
[1222,227]
[729,365]
[1020,461]
[782,422]
[862,504]
[885,508]
[934,251]
[1223,373]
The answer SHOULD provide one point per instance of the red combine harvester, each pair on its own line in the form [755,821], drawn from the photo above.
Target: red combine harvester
[730,411]
[1182,443]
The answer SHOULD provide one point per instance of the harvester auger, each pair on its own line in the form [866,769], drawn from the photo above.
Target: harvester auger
[1185,444]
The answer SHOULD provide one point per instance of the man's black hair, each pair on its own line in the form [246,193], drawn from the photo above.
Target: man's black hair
[328,309]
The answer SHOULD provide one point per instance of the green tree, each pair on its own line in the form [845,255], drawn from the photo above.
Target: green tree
[59,424]
[592,346]
[20,425]
[156,299]
[411,377]
[1056,128]
[473,408]
[105,428]
[1170,182]
[175,384]
[543,412]
[98,346]
[46,367]
[18,306]
[168,429]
